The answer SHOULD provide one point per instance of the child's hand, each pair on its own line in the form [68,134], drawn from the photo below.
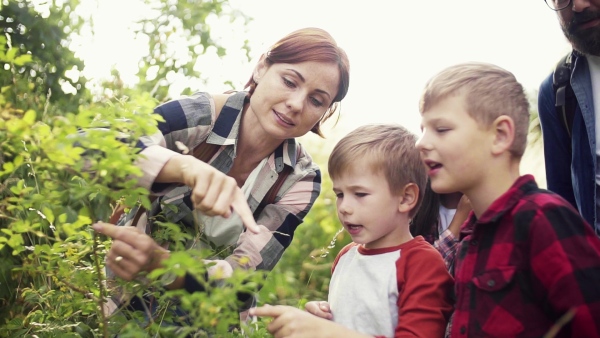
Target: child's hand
[290,322]
[462,213]
[464,206]
[319,309]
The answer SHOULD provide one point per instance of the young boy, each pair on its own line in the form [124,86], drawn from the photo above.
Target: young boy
[385,283]
[525,257]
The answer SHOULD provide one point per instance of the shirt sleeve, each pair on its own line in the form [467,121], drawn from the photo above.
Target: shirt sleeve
[263,250]
[186,122]
[557,155]
[565,262]
[424,287]
[447,245]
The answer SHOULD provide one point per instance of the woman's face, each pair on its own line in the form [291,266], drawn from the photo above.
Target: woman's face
[291,98]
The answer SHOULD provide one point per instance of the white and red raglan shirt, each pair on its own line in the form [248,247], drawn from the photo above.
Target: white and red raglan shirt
[400,291]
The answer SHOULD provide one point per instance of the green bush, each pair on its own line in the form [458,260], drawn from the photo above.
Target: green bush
[60,173]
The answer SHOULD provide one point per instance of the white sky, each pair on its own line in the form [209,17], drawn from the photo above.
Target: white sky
[394,46]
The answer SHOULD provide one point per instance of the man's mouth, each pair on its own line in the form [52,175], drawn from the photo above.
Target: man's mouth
[588,24]
[584,20]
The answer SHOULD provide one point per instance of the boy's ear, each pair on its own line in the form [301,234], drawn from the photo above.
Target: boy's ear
[260,68]
[504,134]
[408,198]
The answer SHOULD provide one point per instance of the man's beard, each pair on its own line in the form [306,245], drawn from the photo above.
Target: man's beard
[586,41]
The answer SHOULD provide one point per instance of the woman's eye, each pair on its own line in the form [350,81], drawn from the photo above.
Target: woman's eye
[316,102]
[288,83]
[442,130]
[360,194]
[339,195]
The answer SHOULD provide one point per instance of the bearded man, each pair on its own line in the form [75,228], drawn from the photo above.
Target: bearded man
[572,149]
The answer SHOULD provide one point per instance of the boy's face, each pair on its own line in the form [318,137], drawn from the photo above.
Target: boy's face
[453,146]
[367,208]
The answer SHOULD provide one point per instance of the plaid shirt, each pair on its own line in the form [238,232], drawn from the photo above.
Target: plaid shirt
[446,244]
[191,120]
[523,265]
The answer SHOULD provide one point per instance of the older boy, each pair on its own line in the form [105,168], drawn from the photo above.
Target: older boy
[525,257]
[385,283]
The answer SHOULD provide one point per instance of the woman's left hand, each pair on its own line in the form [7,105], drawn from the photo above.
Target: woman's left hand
[132,251]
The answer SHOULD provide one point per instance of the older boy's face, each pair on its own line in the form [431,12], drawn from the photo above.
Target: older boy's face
[454,147]
[366,207]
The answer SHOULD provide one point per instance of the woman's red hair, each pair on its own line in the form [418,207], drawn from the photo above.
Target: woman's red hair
[310,44]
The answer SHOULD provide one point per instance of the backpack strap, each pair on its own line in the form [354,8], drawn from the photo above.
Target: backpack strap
[205,151]
[272,193]
[565,98]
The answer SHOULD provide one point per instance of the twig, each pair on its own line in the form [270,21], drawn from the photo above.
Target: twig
[77,289]
[100,285]
[562,321]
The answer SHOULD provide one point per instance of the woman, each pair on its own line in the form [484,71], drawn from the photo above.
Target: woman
[439,212]
[294,88]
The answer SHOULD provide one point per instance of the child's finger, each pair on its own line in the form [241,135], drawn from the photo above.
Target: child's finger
[266,311]
[324,306]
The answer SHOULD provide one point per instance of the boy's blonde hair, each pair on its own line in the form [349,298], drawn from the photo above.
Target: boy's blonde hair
[388,149]
[489,91]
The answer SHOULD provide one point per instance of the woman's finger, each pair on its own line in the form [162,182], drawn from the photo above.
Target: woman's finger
[227,191]
[116,232]
[240,206]
[122,268]
[217,201]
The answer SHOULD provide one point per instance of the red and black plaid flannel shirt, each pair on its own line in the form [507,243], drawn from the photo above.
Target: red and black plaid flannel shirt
[523,265]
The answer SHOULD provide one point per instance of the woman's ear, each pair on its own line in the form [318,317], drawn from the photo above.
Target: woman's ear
[408,198]
[504,134]
[260,68]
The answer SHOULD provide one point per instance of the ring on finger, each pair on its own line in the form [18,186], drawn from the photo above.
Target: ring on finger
[118,259]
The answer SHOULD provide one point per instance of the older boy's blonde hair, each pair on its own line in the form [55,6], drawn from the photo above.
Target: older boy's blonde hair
[489,91]
[388,149]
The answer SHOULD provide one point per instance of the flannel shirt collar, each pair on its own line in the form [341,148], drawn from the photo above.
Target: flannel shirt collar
[503,204]
[227,127]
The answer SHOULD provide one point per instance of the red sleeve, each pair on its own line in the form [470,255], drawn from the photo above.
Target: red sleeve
[341,253]
[424,288]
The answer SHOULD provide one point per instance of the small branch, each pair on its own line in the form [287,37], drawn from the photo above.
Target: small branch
[562,321]
[77,289]
[100,285]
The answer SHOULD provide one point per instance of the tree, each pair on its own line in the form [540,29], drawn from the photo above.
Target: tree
[55,181]
[41,33]
[178,32]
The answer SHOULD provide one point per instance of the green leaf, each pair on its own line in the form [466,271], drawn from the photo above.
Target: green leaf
[49,214]
[29,117]
[18,161]
[9,167]
[10,55]
[23,59]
